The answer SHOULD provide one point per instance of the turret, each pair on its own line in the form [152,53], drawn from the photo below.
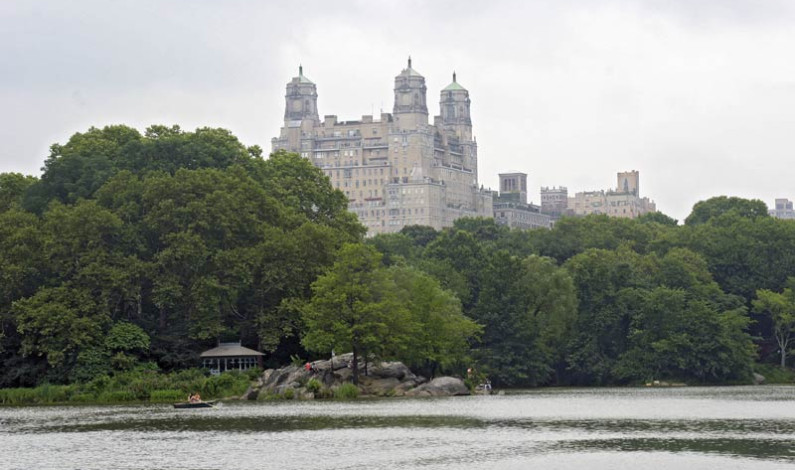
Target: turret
[410,108]
[300,100]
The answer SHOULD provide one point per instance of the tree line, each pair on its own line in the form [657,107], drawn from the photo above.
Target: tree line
[149,247]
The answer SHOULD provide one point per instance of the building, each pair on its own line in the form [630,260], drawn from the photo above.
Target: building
[230,356]
[624,201]
[396,169]
[783,209]
[554,201]
[511,207]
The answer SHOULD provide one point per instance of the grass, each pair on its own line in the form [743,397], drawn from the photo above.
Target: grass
[346,391]
[139,385]
[775,374]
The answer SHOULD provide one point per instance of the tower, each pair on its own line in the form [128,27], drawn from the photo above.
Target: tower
[411,109]
[454,105]
[300,115]
[300,99]
[629,182]
[456,125]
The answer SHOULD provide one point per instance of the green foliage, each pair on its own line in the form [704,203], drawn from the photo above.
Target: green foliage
[346,391]
[314,386]
[288,394]
[125,336]
[714,207]
[12,189]
[166,396]
[355,308]
[780,308]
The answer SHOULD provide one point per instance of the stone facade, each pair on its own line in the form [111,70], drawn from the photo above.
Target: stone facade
[511,207]
[624,201]
[783,209]
[554,201]
[396,169]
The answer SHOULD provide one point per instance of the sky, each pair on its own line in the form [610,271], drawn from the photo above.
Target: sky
[698,96]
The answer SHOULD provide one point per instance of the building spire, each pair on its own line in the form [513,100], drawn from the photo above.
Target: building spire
[409,61]
[453,75]
[300,70]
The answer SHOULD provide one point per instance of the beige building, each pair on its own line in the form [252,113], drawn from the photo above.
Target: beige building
[396,169]
[554,201]
[624,201]
[511,207]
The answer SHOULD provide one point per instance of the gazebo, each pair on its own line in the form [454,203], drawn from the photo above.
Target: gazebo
[230,356]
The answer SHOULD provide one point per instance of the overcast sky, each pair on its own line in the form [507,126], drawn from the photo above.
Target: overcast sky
[698,95]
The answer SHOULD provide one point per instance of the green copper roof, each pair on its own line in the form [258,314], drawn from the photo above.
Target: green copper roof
[453,86]
[410,72]
[301,78]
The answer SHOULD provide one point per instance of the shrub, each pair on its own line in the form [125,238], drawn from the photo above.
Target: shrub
[116,396]
[313,386]
[289,394]
[166,396]
[346,392]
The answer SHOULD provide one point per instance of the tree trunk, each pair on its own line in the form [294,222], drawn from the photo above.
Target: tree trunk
[355,366]
[783,358]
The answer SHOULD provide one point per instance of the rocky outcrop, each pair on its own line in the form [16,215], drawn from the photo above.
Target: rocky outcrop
[440,387]
[376,379]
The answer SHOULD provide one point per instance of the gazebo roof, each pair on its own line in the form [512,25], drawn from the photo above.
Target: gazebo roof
[230,350]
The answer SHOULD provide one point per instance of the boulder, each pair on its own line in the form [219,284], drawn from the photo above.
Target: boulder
[440,387]
[396,370]
[759,379]
[378,387]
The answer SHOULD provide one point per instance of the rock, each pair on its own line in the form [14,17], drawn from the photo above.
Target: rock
[251,393]
[379,387]
[396,370]
[759,379]
[440,387]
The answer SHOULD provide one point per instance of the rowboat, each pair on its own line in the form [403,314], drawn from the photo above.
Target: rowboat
[201,404]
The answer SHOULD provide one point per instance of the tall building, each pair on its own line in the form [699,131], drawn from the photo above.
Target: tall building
[396,169]
[511,207]
[624,201]
[783,209]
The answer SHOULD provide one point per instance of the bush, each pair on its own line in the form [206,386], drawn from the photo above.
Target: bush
[346,392]
[313,386]
[289,394]
[167,396]
[775,374]
[116,396]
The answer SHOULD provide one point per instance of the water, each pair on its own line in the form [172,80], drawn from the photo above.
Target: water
[682,428]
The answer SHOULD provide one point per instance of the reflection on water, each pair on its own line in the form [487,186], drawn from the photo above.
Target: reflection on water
[731,427]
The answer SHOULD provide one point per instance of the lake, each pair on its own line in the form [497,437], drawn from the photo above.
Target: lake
[589,428]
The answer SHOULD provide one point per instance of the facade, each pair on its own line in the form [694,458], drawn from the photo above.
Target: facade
[396,169]
[624,201]
[783,209]
[554,201]
[511,207]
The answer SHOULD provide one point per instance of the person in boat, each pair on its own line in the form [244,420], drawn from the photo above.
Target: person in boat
[195,398]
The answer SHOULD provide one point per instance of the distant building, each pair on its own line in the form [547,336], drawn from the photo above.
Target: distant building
[554,201]
[511,207]
[230,356]
[783,209]
[397,169]
[624,201]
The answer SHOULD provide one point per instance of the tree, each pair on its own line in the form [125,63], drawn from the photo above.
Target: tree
[780,307]
[440,333]
[703,211]
[355,308]
[12,189]
[528,308]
